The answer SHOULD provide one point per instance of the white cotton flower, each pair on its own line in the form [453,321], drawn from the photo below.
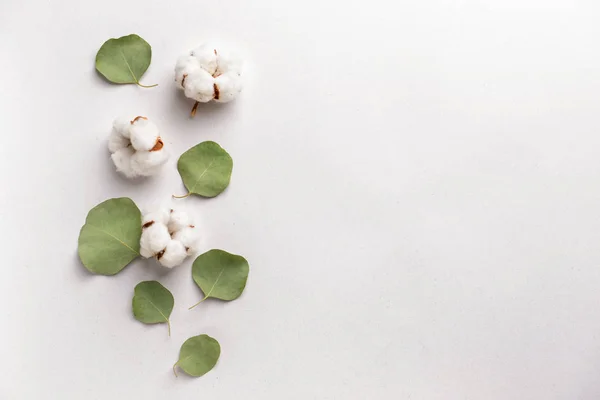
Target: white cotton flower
[173,255]
[178,220]
[137,148]
[155,237]
[209,73]
[122,160]
[188,236]
[162,216]
[169,236]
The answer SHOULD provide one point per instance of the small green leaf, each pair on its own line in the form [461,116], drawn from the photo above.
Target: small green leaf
[220,275]
[110,238]
[198,355]
[152,303]
[124,60]
[205,169]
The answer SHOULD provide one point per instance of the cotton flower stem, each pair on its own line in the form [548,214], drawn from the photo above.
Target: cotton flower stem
[147,87]
[169,327]
[182,197]
[193,113]
[206,297]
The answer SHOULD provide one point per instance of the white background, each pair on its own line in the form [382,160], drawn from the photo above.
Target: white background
[416,187]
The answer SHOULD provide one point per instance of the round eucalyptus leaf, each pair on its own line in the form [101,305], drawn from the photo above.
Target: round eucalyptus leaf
[124,60]
[198,355]
[152,303]
[205,169]
[110,238]
[220,274]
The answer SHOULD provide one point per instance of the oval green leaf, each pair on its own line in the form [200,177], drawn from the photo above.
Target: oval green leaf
[152,303]
[205,169]
[198,355]
[124,60]
[220,275]
[110,238]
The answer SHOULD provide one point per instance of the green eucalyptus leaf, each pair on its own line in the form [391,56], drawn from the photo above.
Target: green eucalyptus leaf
[152,303]
[198,355]
[124,60]
[110,238]
[220,275]
[205,169]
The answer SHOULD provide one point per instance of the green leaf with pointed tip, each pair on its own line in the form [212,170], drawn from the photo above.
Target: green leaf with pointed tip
[198,355]
[152,303]
[124,60]
[110,238]
[220,274]
[205,169]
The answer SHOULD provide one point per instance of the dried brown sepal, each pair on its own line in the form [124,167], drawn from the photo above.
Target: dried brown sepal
[160,254]
[159,145]
[136,118]
[147,224]
[216,89]
[183,80]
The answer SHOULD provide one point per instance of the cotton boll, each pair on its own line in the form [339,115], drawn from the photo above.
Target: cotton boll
[228,63]
[228,86]
[206,57]
[122,160]
[142,152]
[209,73]
[200,86]
[183,62]
[161,216]
[155,238]
[178,220]
[144,134]
[191,68]
[116,141]
[147,163]
[189,237]
[121,125]
[173,255]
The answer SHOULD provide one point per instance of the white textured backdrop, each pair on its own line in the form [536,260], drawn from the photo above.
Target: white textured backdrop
[416,187]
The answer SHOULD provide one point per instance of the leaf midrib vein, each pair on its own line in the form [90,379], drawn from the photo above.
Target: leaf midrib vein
[215,284]
[128,66]
[201,175]
[116,238]
[157,309]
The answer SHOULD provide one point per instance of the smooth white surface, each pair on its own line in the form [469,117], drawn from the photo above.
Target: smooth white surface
[416,187]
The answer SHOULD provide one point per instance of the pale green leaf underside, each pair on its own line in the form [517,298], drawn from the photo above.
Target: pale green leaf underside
[220,274]
[198,355]
[205,169]
[152,303]
[110,238]
[124,60]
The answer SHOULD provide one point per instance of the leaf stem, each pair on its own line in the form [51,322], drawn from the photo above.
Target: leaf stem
[193,113]
[198,303]
[147,87]
[169,326]
[175,369]
[182,197]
